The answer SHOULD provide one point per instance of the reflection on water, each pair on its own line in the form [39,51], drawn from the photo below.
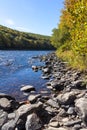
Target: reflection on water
[15,71]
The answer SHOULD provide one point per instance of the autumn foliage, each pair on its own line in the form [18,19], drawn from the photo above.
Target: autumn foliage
[70,37]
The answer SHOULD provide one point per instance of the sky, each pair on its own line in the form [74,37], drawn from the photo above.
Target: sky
[35,16]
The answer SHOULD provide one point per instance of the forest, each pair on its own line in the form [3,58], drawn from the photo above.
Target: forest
[70,36]
[15,40]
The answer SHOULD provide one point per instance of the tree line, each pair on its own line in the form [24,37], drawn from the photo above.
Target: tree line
[13,39]
[70,36]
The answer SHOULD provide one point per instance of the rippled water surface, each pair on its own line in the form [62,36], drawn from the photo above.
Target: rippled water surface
[15,71]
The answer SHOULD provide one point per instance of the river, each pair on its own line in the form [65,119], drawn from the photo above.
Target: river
[16,70]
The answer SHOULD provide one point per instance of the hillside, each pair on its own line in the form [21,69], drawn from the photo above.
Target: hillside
[16,40]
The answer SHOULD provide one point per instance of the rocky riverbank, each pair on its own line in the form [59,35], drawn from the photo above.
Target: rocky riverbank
[65,108]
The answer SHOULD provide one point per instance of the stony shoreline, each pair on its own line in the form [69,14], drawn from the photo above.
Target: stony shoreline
[65,108]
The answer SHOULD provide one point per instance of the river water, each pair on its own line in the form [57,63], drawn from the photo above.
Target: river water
[16,70]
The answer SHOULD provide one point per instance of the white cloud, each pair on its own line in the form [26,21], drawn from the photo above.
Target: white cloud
[9,22]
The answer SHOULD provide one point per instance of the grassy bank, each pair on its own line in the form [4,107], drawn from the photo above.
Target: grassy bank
[74,61]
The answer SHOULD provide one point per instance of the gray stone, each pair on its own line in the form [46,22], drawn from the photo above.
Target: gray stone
[52,103]
[64,120]
[80,84]
[11,116]
[71,111]
[33,122]
[35,68]
[33,98]
[21,124]
[77,127]
[54,124]
[45,97]
[45,76]
[60,128]
[3,95]
[10,125]
[3,117]
[81,105]
[66,98]
[57,85]
[5,103]
[51,110]
[27,88]
[28,109]
[72,123]
[62,113]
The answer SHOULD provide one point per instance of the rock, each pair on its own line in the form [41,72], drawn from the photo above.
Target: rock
[7,104]
[11,116]
[21,124]
[81,105]
[45,97]
[27,88]
[47,62]
[66,119]
[33,98]
[60,128]
[52,103]
[35,68]
[57,86]
[80,84]
[48,83]
[10,125]
[44,92]
[62,113]
[54,124]
[3,95]
[50,87]
[46,70]
[77,127]
[33,122]
[45,76]
[51,110]
[72,123]
[71,111]
[3,117]
[66,98]
[28,109]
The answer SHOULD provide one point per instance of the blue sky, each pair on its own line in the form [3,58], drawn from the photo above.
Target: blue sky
[36,16]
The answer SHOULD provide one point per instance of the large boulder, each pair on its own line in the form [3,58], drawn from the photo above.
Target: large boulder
[33,122]
[52,103]
[3,117]
[7,104]
[10,125]
[81,106]
[28,109]
[66,98]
